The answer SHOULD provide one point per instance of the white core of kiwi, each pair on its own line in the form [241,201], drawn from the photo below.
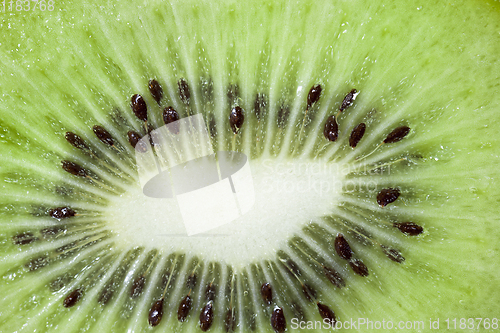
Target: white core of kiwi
[289,194]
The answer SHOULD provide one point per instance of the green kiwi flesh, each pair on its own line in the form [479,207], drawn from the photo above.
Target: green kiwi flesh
[369,129]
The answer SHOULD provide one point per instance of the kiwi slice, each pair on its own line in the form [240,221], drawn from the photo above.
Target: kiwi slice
[368,128]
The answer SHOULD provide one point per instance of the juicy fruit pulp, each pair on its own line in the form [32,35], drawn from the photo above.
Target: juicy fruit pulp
[81,251]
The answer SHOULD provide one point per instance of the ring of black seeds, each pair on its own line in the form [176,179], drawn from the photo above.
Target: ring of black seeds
[207,314]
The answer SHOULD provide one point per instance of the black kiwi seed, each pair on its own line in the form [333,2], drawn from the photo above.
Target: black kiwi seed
[191,281]
[278,320]
[210,292]
[74,169]
[409,228]
[387,196]
[103,135]
[259,105]
[334,277]
[76,141]
[357,134]
[309,292]
[313,95]
[348,100]
[133,138]
[342,247]
[62,213]
[170,115]
[184,308]
[206,317]
[267,293]
[37,263]
[156,313]
[326,313]
[236,119]
[397,134]
[24,238]
[358,267]
[283,114]
[331,131]
[393,254]
[230,321]
[156,90]
[184,93]
[139,107]
[72,298]
[137,286]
